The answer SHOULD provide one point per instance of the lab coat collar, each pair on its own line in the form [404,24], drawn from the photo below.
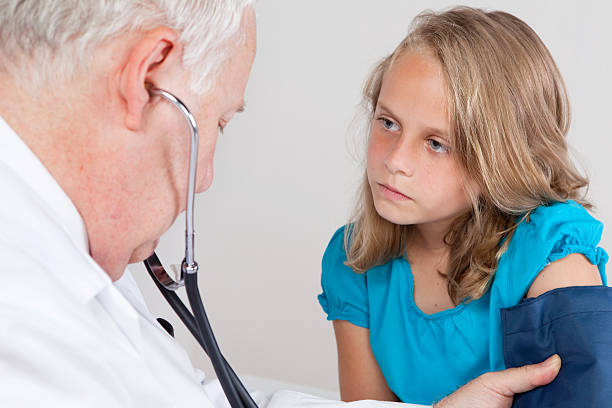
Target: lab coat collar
[38,216]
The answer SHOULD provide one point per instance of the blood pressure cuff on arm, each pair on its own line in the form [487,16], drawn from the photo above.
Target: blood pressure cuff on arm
[574,322]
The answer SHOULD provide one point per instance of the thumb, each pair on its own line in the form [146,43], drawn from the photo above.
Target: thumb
[526,378]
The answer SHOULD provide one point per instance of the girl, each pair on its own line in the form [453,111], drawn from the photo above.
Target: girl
[470,204]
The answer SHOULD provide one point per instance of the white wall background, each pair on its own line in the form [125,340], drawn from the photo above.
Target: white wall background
[285,176]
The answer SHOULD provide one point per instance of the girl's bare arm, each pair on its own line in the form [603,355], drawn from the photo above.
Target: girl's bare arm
[359,373]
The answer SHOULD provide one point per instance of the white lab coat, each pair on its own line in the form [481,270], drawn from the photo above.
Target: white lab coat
[69,336]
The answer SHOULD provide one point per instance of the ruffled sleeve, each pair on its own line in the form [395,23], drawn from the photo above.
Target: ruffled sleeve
[344,294]
[551,233]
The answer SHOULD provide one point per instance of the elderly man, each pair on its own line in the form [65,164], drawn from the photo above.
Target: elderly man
[93,171]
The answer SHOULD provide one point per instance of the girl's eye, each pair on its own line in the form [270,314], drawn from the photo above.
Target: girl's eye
[437,146]
[389,124]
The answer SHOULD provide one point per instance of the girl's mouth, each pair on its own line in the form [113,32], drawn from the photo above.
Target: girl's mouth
[392,193]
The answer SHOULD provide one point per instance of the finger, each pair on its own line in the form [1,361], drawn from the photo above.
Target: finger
[525,378]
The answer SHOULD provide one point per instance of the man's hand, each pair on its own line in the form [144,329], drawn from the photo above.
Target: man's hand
[496,390]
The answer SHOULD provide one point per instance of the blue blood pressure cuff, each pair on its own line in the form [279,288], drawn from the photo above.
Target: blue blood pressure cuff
[574,322]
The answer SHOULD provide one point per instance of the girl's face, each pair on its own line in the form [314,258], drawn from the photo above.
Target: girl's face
[412,172]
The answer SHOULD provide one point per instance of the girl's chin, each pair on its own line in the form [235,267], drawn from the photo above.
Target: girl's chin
[393,215]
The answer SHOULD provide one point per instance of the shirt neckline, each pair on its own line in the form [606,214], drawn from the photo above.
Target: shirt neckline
[447,313]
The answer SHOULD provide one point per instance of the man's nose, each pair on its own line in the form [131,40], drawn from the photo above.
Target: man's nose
[401,157]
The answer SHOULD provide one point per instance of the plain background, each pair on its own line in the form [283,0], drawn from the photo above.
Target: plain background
[287,169]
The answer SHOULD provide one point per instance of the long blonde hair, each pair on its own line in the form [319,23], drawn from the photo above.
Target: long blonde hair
[509,116]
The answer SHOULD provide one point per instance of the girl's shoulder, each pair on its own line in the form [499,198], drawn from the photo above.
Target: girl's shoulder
[555,229]
[334,258]
[344,295]
[562,212]
[335,247]
[548,233]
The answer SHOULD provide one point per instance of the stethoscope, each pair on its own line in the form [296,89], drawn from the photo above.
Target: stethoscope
[198,323]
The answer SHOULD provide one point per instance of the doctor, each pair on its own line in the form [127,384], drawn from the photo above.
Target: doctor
[93,171]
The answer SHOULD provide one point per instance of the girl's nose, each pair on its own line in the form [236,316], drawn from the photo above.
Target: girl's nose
[401,158]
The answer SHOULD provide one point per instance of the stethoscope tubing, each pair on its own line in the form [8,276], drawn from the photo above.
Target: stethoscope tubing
[189,321]
[197,323]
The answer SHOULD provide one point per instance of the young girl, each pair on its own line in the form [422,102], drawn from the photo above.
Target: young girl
[469,205]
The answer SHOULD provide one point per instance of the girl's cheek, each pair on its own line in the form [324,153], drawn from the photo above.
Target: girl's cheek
[371,157]
[376,152]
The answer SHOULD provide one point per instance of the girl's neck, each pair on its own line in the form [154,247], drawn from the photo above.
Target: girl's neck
[427,255]
[429,237]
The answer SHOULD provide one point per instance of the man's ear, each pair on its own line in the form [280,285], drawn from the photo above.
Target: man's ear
[147,55]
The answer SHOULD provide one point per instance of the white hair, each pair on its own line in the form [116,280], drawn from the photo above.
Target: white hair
[46,40]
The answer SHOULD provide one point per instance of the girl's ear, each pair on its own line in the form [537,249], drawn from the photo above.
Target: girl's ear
[147,57]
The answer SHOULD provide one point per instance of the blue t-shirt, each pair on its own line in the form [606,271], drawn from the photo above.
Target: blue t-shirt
[426,357]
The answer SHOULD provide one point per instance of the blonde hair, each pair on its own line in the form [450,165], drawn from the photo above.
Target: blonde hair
[509,116]
[49,40]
